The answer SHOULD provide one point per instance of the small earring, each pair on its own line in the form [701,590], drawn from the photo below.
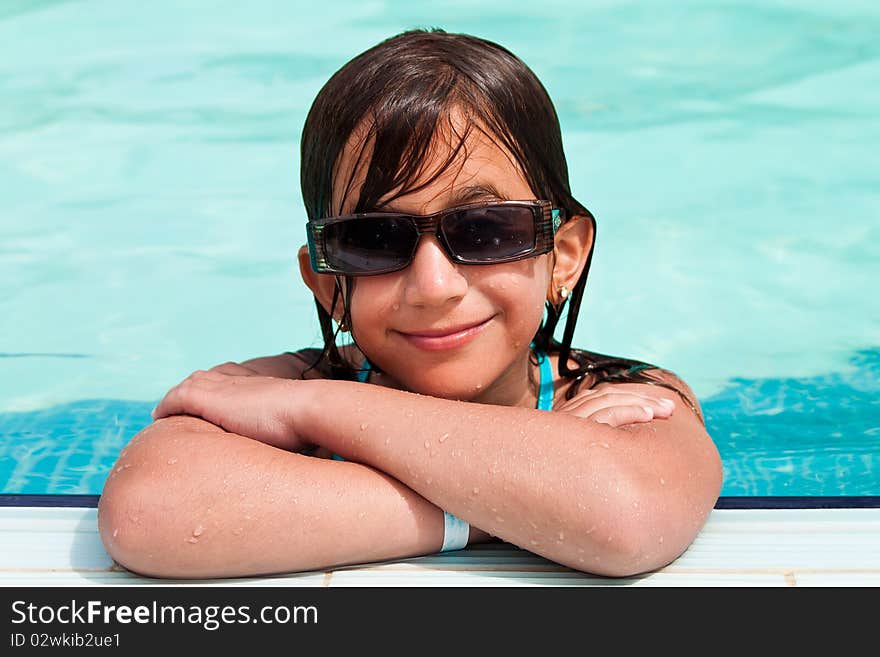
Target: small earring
[563,292]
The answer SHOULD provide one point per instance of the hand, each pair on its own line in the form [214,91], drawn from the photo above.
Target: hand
[239,400]
[616,407]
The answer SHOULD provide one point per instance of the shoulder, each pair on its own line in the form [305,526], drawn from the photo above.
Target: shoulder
[306,363]
[287,365]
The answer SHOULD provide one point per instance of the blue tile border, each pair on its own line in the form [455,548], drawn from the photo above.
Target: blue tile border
[724,502]
[82,501]
[798,502]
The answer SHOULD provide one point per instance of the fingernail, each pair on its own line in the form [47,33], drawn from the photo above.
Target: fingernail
[648,410]
[153,412]
[667,402]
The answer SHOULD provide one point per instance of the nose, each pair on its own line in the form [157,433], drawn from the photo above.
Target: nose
[432,278]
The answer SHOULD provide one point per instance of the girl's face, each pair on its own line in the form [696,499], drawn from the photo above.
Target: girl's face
[449,330]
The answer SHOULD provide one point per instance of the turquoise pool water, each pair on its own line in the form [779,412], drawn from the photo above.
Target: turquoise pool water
[150,210]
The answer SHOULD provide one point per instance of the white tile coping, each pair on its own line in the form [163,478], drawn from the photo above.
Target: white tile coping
[56,546]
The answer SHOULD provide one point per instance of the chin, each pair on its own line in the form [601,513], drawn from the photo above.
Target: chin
[463,387]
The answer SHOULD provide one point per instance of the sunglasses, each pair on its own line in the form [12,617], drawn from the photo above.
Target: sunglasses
[484,233]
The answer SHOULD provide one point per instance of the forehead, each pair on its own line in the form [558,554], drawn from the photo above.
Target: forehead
[462,154]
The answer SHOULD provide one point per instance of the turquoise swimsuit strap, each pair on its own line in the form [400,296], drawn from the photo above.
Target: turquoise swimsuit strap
[545,387]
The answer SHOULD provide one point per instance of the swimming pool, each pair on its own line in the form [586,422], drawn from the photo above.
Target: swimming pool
[151,211]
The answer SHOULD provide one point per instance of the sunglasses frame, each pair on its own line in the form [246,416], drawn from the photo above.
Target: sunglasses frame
[547,221]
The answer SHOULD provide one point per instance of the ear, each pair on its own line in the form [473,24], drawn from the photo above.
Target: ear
[572,245]
[321,285]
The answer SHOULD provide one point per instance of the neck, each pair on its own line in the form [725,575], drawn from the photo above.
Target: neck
[518,385]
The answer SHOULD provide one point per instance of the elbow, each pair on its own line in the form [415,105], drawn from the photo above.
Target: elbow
[626,549]
[131,528]
[641,530]
[631,549]
[142,513]
[621,548]
[647,521]
[146,509]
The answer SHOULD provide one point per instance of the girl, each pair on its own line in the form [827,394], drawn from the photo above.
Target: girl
[445,243]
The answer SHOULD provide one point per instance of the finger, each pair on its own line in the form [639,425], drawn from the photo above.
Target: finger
[614,394]
[629,394]
[161,409]
[185,397]
[171,404]
[587,406]
[617,416]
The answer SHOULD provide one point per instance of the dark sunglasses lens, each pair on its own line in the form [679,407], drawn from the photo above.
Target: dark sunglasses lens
[491,233]
[366,245]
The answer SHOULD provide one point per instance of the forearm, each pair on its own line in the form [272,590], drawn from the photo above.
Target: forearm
[206,503]
[575,491]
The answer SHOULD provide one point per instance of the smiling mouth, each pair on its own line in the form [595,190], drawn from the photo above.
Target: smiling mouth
[448,338]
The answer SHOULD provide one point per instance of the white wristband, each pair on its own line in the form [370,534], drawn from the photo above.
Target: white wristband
[455,533]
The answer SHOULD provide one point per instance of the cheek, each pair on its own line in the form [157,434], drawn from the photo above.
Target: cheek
[521,287]
[373,296]
[530,306]
[528,280]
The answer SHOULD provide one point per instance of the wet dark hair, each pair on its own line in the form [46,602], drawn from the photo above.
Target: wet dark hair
[400,94]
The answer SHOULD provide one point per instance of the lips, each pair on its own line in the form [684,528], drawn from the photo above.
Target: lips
[444,338]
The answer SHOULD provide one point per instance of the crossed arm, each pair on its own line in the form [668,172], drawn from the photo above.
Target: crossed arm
[190,499]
